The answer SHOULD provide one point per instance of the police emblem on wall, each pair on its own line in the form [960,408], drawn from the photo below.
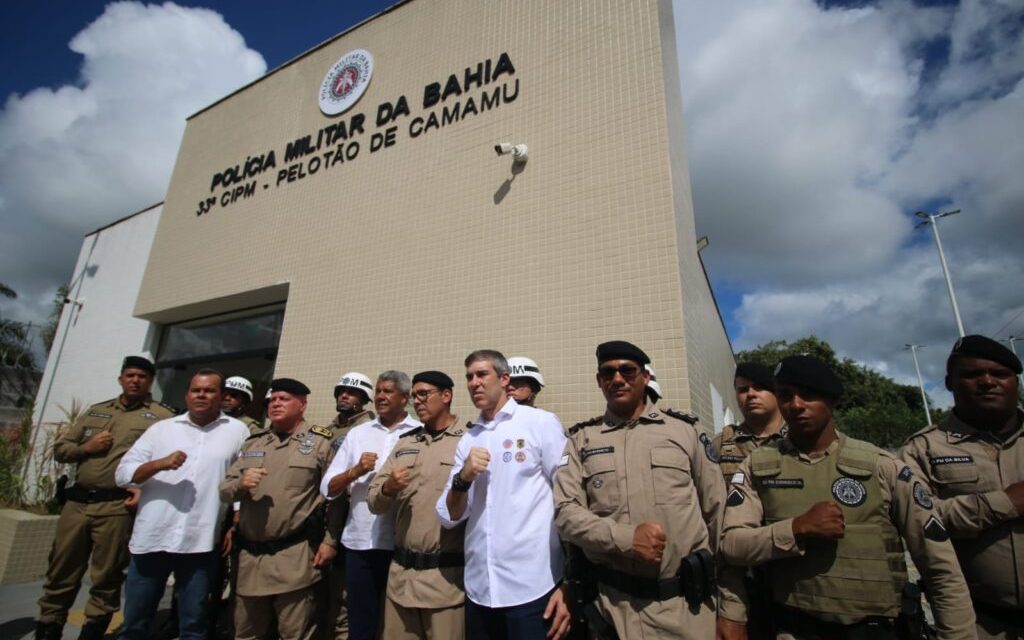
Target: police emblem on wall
[849,492]
[346,81]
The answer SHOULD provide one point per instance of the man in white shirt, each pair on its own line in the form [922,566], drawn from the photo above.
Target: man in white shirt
[501,486]
[178,463]
[368,540]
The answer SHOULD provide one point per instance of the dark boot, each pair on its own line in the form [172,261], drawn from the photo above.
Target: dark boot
[94,629]
[49,630]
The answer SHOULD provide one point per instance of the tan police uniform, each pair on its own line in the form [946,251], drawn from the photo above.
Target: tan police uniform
[94,520]
[275,560]
[618,474]
[968,469]
[425,593]
[735,442]
[333,589]
[828,583]
[255,426]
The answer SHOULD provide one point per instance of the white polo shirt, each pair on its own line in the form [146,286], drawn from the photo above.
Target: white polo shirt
[364,530]
[180,509]
[513,555]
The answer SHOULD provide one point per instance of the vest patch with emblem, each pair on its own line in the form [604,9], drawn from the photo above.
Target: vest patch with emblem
[97,414]
[934,530]
[87,433]
[586,453]
[782,483]
[905,474]
[252,454]
[406,452]
[735,498]
[921,496]
[950,460]
[849,492]
[306,447]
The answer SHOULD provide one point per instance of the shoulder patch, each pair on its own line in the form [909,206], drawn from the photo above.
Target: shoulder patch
[905,474]
[735,498]
[921,496]
[586,423]
[709,449]
[679,415]
[411,432]
[322,431]
[935,530]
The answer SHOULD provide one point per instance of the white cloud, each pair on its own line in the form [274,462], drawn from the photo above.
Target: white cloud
[812,134]
[76,157]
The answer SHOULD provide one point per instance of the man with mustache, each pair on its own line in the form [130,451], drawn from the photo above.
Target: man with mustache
[974,463]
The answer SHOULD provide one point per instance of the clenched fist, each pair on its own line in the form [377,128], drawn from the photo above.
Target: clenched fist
[398,480]
[174,461]
[366,463]
[98,443]
[251,478]
[649,542]
[823,520]
[476,462]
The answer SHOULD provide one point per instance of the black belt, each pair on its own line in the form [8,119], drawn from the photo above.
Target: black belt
[805,625]
[270,547]
[436,560]
[639,587]
[1005,615]
[78,493]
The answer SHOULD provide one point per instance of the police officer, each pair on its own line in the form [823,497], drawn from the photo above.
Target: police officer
[639,493]
[762,422]
[654,393]
[281,527]
[825,514]
[96,520]
[425,592]
[237,398]
[525,381]
[974,462]
[351,394]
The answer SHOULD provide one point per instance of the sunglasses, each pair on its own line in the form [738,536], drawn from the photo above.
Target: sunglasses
[629,372]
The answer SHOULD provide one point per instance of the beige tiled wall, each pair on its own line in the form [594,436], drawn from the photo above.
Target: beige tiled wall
[412,256]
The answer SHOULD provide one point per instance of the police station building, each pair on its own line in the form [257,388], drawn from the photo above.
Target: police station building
[446,176]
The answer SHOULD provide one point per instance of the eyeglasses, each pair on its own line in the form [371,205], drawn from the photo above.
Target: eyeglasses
[628,372]
[423,394]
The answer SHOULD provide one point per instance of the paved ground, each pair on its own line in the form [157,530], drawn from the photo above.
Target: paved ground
[18,611]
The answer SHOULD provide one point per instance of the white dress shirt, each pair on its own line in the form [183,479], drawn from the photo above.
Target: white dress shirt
[363,530]
[180,509]
[513,555]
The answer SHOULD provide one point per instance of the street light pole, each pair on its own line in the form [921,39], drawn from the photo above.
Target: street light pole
[920,381]
[932,218]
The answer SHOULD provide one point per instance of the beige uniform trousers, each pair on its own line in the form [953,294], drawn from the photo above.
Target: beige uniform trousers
[406,623]
[79,536]
[294,614]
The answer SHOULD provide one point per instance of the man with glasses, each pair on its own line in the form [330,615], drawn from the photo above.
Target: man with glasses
[639,492]
[368,539]
[500,487]
[425,592]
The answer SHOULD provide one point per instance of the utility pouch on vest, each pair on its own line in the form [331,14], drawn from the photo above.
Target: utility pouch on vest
[697,577]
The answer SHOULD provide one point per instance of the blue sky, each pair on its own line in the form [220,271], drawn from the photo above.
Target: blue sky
[814,131]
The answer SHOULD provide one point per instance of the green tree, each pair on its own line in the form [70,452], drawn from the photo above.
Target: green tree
[49,332]
[873,407]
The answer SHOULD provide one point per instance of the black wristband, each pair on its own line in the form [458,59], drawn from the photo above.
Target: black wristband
[460,485]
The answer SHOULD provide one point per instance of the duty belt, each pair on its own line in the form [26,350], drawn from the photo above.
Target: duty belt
[270,547]
[78,493]
[436,560]
[804,625]
[639,587]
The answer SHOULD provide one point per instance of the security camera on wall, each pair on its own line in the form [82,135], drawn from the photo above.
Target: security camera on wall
[518,151]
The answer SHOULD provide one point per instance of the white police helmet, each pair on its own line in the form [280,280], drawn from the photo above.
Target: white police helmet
[238,383]
[525,368]
[355,380]
[653,385]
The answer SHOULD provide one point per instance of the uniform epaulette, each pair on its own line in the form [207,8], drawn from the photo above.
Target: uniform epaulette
[411,432]
[170,407]
[257,435]
[679,415]
[586,423]
[921,432]
[322,431]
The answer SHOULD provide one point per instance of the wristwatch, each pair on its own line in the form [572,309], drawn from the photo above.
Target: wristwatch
[458,484]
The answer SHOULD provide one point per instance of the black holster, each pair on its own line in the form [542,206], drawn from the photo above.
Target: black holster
[698,578]
[911,623]
[587,622]
[60,493]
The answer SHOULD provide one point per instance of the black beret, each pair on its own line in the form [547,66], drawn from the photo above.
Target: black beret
[289,385]
[976,346]
[757,373]
[138,362]
[621,350]
[810,373]
[437,378]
